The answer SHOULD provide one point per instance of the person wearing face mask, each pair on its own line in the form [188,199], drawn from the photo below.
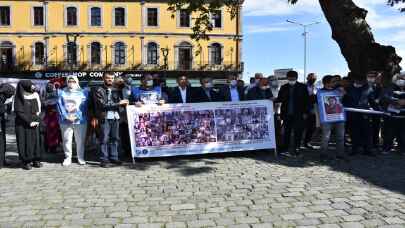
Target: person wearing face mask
[294,99]
[337,127]
[374,82]
[393,102]
[27,107]
[206,93]
[6,92]
[310,123]
[107,105]
[72,107]
[360,96]
[182,93]
[261,92]
[147,92]
[231,91]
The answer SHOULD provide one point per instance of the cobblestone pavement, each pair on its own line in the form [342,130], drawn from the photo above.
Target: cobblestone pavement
[233,190]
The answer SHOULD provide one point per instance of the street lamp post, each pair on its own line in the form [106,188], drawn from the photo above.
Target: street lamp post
[305,34]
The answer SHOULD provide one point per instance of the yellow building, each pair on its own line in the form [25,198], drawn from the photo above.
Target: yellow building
[52,37]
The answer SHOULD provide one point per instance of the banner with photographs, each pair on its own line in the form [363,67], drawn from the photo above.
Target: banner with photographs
[330,106]
[201,128]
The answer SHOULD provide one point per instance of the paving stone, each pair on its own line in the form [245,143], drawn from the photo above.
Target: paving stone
[253,190]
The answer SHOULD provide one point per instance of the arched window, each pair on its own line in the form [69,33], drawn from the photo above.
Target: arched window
[39,53]
[95,17]
[185,56]
[216,54]
[95,50]
[6,55]
[71,53]
[153,53]
[119,53]
[71,16]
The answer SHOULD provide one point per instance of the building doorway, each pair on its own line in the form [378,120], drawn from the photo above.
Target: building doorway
[6,55]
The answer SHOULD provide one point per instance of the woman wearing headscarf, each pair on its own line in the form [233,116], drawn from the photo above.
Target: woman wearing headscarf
[52,134]
[72,106]
[6,92]
[27,107]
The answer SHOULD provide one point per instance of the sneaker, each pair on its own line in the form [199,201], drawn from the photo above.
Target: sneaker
[80,162]
[386,152]
[116,162]
[67,162]
[27,166]
[309,146]
[37,164]
[105,164]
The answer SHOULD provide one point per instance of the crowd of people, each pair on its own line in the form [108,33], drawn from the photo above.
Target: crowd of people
[71,112]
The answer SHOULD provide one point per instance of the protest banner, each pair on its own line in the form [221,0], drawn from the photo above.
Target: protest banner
[330,106]
[201,128]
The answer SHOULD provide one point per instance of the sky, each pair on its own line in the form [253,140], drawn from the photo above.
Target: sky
[271,43]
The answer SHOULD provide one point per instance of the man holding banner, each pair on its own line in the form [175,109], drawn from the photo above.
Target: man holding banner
[332,117]
[360,96]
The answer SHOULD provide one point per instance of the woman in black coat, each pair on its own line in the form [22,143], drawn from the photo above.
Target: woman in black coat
[6,91]
[27,107]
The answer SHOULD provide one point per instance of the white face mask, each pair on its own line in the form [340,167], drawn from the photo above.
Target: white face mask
[292,82]
[371,80]
[234,83]
[400,82]
[71,85]
[149,83]
[357,85]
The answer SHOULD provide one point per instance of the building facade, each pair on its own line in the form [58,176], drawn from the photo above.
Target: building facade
[125,36]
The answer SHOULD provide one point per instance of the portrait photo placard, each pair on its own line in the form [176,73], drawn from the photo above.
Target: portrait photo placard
[330,106]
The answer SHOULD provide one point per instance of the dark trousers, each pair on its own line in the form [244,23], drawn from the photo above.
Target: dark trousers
[392,129]
[360,132]
[310,127]
[2,140]
[388,133]
[109,139]
[376,128]
[293,124]
[124,136]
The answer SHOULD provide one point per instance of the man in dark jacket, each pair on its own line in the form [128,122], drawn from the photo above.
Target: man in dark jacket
[393,102]
[359,95]
[6,91]
[205,93]
[310,123]
[107,102]
[181,94]
[261,92]
[231,91]
[294,100]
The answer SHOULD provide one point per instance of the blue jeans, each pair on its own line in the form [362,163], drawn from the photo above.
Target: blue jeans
[109,139]
[339,129]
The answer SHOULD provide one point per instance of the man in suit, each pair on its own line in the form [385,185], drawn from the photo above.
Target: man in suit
[231,91]
[181,94]
[261,92]
[294,99]
[206,93]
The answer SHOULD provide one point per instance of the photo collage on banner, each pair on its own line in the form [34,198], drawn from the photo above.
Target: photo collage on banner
[183,129]
[330,107]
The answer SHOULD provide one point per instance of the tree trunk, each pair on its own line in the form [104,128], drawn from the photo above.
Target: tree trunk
[356,41]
